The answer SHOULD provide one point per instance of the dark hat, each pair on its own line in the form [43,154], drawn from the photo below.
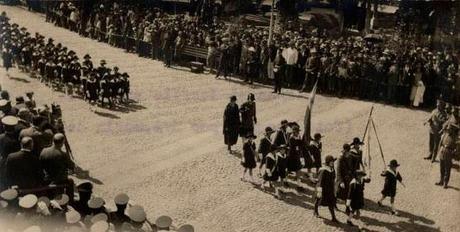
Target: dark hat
[317,136]
[251,97]
[346,147]
[186,228]
[296,128]
[356,141]
[121,199]
[393,163]
[87,56]
[233,98]
[9,194]
[103,62]
[19,99]
[124,74]
[329,158]
[269,130]
[163,222]
[282,146]
[85,187]
[284,122]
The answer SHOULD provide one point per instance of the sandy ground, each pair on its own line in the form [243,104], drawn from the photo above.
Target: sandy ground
[166,150]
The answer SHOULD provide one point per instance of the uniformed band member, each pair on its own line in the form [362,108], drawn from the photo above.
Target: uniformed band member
[297,149]
[437,118]
[392,177]
[231,123]
[447,150]
[315,150]
[248,159]
[265,147]
[248,116]
[325,194]
[345,172]
[355,199]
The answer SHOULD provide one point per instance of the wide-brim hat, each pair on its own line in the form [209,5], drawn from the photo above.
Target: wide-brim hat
[163,222]
[269,130]
[393,163]
[103,62]
[233,98]
[87,56]
[28,201]
[251,136]
[356,141]
[9,194]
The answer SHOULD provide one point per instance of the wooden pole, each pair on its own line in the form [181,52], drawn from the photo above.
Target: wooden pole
[270,32]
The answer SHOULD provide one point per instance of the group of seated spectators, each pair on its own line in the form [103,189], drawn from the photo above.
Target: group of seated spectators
[397,72]
[36,186]
[60,68]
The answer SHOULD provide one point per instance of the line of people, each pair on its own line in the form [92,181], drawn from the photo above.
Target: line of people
[59,68]
[285,151]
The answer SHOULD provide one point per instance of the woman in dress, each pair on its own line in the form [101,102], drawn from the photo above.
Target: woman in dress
[249,156]
[325,194]
[231,123]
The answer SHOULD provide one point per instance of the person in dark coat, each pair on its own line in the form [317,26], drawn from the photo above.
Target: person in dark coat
[325,194]
[279,64]
[315,149]
[224,55]
[248,160]
[281,166]
[8,144]
[392,176]
[7,57]
[231,123]
[281,137]
[344,172]
[23,168]
[296,149]
[447,150]
[248,116]
[355,199]
[437,118]
[356,154]
[265,146]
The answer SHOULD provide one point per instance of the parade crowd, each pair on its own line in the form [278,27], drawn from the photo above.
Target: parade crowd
[59,67]
[403,72]
[286,151]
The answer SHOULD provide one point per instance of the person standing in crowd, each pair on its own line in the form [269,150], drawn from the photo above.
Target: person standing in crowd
[248,116]
[355,199]
[392,176]
[248,160]
[311,70]
[223,59]
[325,194]
[290,55]
[7,57]
[265,147]
[231,123]
[447,150]
[23,168]
[437,118]
[278,71]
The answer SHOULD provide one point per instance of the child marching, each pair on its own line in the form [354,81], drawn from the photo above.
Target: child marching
[392,176]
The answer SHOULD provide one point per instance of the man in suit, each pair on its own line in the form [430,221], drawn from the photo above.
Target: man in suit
[345,172]
[265,146]
[447,150]
[281,137]
[23,167]
[437,118]
[34,132]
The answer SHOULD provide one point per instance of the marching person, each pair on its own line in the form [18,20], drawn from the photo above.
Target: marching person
[392,176]
[281,166]
[248,116]
[281,137]
[437,118]
[357,154]
[231,123]
[345,172]
[270,174]
[447,150]
[355,199]
[325,194]
[278,71]
[296,150]
[7,57]
[315,149]
[265,147]
[249,156]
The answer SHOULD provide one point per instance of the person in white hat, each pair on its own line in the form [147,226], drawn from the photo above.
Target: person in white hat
[119,217]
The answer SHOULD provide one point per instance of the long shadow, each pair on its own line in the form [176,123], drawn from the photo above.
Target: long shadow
[19,79]
[106,115]
[82,174]
[131,106]
[293,95]
[399,226]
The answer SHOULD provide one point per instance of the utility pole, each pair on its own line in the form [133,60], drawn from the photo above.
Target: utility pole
[270,32]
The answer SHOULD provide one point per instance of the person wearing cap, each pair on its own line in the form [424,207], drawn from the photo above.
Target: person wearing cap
[23,168]
[85,191]
[447,150]
[248,116]
[345,172]
[356,153]
[35,133]
[281,137]
[311,70]
[270,174]
[279,65]
[7,57]
[6,108]
[248,160]
[281,166]
[296,152]
[436,120]
[392,177]
[325,194]
[138,220]
[56,164]
[355,199]
[119,217]
[231,123]
[8,141]
[265,147]
[291,56]
[314,151]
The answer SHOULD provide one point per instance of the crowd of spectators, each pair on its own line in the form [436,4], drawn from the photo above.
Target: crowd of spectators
[393,71]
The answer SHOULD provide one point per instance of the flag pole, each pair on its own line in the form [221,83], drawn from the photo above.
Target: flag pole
[380,145]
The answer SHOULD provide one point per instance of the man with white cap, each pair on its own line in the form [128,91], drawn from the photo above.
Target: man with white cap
[23,167]
[119,217]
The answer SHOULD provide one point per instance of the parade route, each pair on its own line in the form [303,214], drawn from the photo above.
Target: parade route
[166,149]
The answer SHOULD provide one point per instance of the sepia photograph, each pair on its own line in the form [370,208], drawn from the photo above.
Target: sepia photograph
[229,115]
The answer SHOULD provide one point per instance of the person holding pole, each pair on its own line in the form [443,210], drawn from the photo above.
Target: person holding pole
[437,118]
[392,176]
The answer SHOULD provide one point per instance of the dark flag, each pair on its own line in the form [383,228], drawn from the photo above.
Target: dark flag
[307,119]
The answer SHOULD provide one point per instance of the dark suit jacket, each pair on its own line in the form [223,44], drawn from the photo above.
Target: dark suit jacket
[23,169]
